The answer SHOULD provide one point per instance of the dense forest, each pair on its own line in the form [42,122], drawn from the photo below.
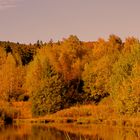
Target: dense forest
[57,75]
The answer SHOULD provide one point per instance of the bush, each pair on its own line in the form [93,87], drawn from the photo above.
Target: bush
[7,113]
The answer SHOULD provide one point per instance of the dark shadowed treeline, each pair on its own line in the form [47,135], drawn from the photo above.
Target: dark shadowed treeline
[57,75]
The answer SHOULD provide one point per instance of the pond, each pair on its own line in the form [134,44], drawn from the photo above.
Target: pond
[67,132]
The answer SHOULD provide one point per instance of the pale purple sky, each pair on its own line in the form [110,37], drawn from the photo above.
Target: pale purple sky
[27,21]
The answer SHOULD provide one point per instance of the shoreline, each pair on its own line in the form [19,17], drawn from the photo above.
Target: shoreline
[132,122]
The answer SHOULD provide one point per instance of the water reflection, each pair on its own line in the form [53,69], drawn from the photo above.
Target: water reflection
[67,132]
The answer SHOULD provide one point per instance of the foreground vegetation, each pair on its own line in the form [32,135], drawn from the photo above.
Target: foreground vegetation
[102,76]
[85,114]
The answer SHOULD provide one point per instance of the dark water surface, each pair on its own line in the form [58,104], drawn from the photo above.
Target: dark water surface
[67,132]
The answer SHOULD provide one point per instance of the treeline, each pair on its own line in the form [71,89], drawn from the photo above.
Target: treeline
[57,75]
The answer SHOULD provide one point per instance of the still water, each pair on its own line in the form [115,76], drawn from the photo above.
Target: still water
[67,132]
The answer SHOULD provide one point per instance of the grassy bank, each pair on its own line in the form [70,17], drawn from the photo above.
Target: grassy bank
[86,114]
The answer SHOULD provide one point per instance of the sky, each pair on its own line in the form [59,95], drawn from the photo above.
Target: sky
[27,21]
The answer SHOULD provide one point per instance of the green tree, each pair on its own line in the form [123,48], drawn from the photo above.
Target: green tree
[45,86]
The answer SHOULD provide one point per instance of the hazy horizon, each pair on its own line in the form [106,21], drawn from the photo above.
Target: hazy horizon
[28,21]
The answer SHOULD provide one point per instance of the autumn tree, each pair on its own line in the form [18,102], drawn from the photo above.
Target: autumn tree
[97,72]
[11,79]
[124,82]
[68,60]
